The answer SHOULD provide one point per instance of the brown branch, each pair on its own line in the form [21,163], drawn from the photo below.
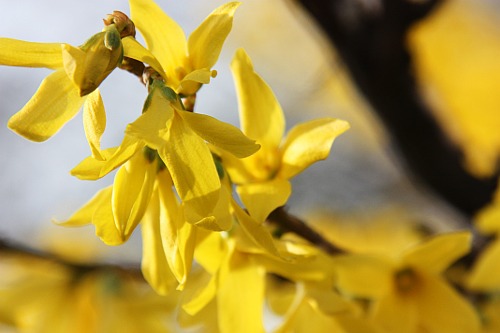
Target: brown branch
[133,66]
[10,247]
[290,223]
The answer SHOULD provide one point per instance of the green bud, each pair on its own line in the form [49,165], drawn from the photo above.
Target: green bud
[166,91]
[89,64]
[112,39]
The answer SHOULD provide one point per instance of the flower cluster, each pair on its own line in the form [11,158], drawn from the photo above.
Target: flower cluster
[218,246]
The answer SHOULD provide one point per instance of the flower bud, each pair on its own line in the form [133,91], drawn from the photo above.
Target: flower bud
[89,64]
[123,24]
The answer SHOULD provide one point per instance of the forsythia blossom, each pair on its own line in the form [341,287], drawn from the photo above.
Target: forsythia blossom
[38,296]
[263,179]
[209,198]
[78,73]
[185,65]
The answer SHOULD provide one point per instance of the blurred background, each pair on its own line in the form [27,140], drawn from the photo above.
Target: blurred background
[415,79]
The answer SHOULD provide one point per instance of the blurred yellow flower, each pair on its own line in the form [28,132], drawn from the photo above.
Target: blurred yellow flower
[457,59]
[38,295]
[408,293]
[236,262]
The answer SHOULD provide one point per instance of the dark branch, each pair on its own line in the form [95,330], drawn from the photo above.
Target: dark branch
[9,247]
[370,37]
[134,67]
[290,223]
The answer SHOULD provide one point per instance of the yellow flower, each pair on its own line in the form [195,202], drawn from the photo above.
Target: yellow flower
[228,270]
[455,46]
[38,296]
[182,146]
[237,259]
[168,240]
[263,178]
[408,292]
[78,73]
[180,139]
[165,146]
[312,307]
[185,65]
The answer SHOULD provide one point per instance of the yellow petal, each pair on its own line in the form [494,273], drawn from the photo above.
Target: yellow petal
[53,105]
[292,317]
[314,268]
[327,300]
[132,190]
[83,216]
[205,43]
[105,226]
[204,294]
[222,210]
[90,64]
[255,231]
[363,276]
[154,264]
[182,259]
[178,236]
[94,122]
[385,232]
[308,143]
[211,251]
[193,81]
[262,198]
[127,149]
[439,252]
[220,220]
[486,273]
[98,211]
[90,168]
[133,49]
[220,134]
[153,124]
[441,309]
[191,165]
[73,61]
[164,37]
[260,113]
[279,294]
[487,221]
[457,45]
[306,317]
[236,272]
[15,52]
[396,314]
[235,167]
[202,75]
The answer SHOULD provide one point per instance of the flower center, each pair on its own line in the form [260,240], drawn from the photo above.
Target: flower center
[406,280]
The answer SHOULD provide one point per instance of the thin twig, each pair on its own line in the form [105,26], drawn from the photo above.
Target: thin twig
[299,227]
[7,246]
[133,66]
